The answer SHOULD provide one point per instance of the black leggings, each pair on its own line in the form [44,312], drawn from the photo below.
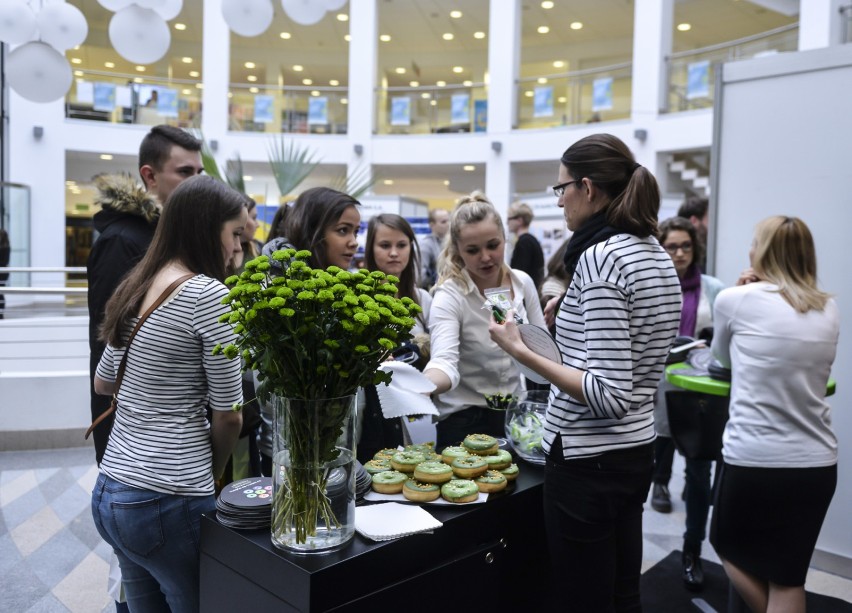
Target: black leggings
[593,516]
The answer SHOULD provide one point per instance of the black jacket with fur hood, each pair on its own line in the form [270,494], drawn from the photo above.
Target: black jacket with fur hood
[125,224]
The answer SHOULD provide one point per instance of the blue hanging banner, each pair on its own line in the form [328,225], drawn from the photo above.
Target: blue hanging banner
[698,80]
[602,94]
[460,108]
[104,97]
[400,111]
[317,111]
[263,105]
[167,102]
[543,101]
[480,115]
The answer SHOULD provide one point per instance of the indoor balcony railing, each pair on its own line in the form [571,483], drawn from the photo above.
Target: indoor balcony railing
[846,18]
[299,109]
[60,292]
[125,98]
[574,97]
[692,74]
[432,109]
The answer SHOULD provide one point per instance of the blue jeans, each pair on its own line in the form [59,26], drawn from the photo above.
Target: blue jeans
[698,493]
[156,538]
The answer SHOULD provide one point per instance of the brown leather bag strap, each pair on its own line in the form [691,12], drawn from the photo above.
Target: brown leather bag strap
[123,364]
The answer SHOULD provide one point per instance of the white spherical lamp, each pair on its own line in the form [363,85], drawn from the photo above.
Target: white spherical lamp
[17,22]
[150,4]
[304,12]
[247,17]
[38,72]
[115,5]
[139,35]
[170,9]
[333,5]
[62,26]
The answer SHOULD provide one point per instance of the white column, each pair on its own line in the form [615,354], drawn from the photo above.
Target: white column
[363,62]
[216,58]
[504,54]
[820,23]
[652,42]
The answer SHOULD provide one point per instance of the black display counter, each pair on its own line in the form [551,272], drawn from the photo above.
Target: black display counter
[492,556]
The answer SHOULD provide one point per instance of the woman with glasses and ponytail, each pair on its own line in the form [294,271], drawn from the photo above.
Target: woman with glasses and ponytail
[614,328]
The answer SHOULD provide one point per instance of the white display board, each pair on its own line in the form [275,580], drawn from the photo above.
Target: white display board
[783,145]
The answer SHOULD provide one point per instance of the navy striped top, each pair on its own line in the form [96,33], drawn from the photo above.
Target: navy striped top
[161,437]
[617,324]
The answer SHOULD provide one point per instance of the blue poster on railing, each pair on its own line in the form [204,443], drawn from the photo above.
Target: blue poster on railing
[698,80]
[167,102]
[104,97]
[263,108]
[543,101]
[480,115]
[400,111]
[602,94]
[460,108]
[318,111]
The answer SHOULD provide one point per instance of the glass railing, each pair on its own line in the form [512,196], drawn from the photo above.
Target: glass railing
[692,74]
[122,98]
[569,98]
[432,110]
[846,23]
[291,109]
[16,221]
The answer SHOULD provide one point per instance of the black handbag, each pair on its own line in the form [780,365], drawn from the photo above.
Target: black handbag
[696,422]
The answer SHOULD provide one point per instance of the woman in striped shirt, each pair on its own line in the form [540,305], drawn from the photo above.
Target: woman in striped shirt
[157,474]
[614,329]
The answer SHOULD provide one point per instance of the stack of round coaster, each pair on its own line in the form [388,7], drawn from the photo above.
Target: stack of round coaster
[246,504]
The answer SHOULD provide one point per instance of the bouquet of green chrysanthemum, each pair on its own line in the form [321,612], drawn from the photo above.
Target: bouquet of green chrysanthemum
[310,335]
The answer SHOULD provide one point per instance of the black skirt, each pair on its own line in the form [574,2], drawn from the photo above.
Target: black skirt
[766,520]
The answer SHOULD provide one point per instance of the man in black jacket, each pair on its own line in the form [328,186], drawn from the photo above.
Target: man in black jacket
[526,254]
[125,226]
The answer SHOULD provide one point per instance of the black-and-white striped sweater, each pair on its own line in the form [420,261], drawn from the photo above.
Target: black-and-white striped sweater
[161,437]
[617,323]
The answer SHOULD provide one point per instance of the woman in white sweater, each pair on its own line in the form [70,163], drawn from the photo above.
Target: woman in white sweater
[778,333]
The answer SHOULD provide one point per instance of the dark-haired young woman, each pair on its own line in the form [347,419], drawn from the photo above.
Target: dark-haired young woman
[157,474]
[614,328]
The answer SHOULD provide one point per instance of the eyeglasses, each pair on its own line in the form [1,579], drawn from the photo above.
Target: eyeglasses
[673,247]
[560,189]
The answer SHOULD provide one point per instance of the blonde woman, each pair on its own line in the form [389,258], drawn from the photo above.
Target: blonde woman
[466,364]
[778,333]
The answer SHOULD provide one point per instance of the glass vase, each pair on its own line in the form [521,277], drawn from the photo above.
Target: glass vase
[313,464]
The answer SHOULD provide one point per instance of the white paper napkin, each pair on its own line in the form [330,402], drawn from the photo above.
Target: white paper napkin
[383,522]
[406,394]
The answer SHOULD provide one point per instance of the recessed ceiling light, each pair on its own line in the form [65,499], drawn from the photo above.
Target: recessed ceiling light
[347,38]
[106,156]
[576,25]
[528,94]
[399,70]
[468,167]
[542,80]
[180,26]
[230,94]
[315,93]
[307,81]
[446,182]
[251,78]
[249,65]
[138,80]
[186,60]
[253,90]
[448,36]
[433,102]
[109,64]
[78,73]
[344,101]
[186,92]
[547,4]
[141,69]
[479,34]
[441,83]
[388,181]
[248,178]
[194,74]
[342,17]
[334,82]
[543,29]
[458,69]
[467,83]
[76,60]
[456,14]
[298,68]
[684,27]
[562,99]
[385,38]
[415,84]
[199,86]
[425,95]
[285,35]
[559,64]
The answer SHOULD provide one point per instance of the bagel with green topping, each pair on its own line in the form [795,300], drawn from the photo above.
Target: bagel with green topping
[469,467]
[451,453]
[405,461]
[376,466]
[459,491]
[389,482]
[433,472]
[480,444]
[417,491]
[499,460]
[492,481]
[511,473]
